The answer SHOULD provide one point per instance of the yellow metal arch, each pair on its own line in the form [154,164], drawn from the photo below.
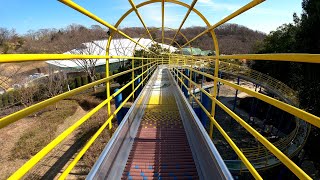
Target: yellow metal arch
[276,57]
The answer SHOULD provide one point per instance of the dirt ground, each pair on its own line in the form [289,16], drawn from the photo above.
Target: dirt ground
[11,134]
[49,167]
[8,137]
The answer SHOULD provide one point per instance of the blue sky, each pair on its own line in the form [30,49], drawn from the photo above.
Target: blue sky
[24,15]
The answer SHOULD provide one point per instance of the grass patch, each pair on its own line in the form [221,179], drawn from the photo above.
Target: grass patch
[87,130]
[89,100]
[43,132]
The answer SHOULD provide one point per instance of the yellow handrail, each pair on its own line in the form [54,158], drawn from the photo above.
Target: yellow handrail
[36,158]
[174,60]
[223,133]
[95,136]
[281,156]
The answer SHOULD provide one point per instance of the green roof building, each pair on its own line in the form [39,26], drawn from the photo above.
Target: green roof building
[196,52]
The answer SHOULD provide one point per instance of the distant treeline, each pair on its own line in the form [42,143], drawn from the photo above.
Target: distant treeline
[232,38]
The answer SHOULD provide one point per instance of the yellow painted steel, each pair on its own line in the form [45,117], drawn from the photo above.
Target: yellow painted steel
[281,156]
[293,57]
[140,18]
[96,18]
[308,117]
[36,158]
[132,76]
[9,58]
[184,20]
[31,109]
[167,38]
[223,133]
[172,60]
[174,2]
[108,85]
[162,24]
[142,62]
[5,58]
[108,121]
[231,16]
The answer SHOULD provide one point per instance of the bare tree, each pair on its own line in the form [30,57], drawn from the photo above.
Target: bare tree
[9,75]
[56,80]
[89,65]
[26,95]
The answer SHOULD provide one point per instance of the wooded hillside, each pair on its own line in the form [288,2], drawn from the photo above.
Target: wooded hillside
[232,38]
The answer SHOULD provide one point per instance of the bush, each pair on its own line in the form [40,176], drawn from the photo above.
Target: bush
[39,92]
[16,96]
[103,75]
[65,87]
[84,80]
[1,102]
[88,129]
[98,76]
[72,84]
[10,98]
[38,136]
[78,81]
[5,99]
[87,102]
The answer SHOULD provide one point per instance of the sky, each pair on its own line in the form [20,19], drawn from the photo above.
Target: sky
[25,15]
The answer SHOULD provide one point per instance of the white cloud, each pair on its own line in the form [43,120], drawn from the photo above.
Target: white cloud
[217,6]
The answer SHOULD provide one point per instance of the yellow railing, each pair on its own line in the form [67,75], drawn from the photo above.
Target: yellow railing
[281,105]
[147,72]
[174,61]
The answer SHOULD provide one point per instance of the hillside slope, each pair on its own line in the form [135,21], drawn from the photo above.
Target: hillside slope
[232,38]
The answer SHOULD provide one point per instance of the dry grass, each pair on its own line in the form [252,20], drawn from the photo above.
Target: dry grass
[39,135]
[87,102]
[48,122]
[86,131]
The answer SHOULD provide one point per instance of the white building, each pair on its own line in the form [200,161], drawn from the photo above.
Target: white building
[118,47]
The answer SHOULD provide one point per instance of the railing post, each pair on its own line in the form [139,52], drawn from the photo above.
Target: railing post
[214,93]
[236,96]
[142,71]
[132,77]
[108,87]
[190,84]
[186,81]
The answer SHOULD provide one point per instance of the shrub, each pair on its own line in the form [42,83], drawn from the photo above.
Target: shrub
[72,84]
[1,102]
[65,87]
[84,80]
[98,76]
[87,102]
[16,96]
[40,92]
[88,129]
[78,81]
[5,99]
[10,97]
[103,75]
[38,136]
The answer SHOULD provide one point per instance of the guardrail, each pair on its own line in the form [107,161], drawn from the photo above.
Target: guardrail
[174,61]
[146,71]
[281,105]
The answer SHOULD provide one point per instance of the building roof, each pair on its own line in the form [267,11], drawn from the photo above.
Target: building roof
[195,51]
[118,47]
